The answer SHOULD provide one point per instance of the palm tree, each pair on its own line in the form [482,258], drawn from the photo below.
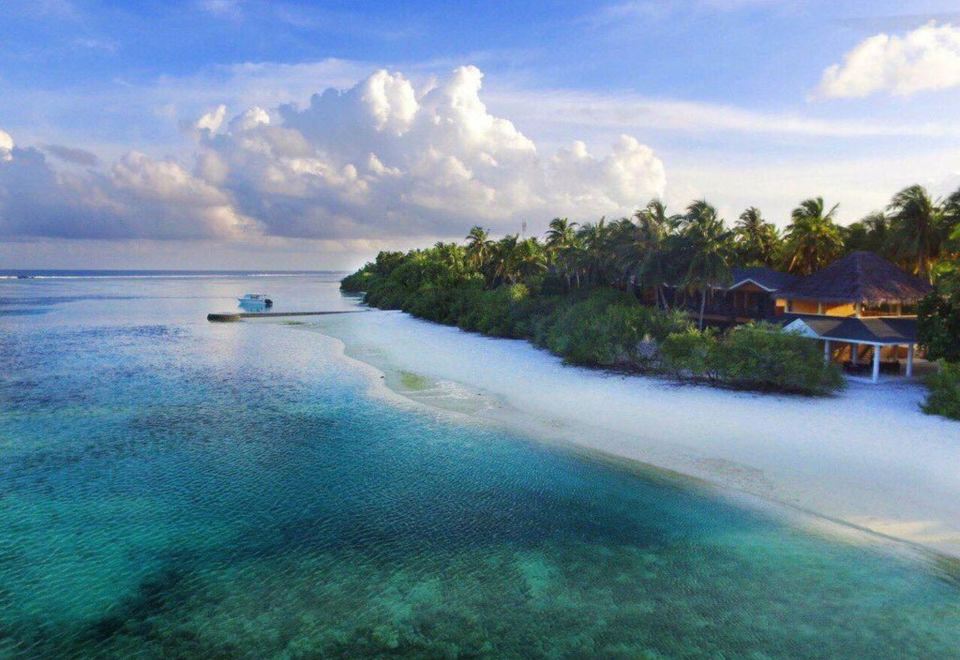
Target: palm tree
[951,221]
[625,248]
[657,267]
[812,240]
[502,259]
[561,234]
[655,214]
[479,246]
[710,245]
[649,255]
[594,253]
[527,258]
[757,240]
[449,254]
[560,247]
[915,225]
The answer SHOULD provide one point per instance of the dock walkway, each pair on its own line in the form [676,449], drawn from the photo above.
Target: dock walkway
[227,317]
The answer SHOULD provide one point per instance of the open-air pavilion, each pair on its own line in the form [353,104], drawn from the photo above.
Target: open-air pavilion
[872,335]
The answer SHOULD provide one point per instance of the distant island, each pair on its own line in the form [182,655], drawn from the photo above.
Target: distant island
[685,296]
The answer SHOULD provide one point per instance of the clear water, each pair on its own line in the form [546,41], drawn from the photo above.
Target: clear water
[174,488]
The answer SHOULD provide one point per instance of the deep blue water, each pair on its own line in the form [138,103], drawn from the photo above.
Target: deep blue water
[174,488]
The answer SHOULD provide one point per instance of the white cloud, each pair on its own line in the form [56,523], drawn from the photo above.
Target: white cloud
[138,198]
[924,59]
[212,120]
[6,146]
[384,159]
[629,112]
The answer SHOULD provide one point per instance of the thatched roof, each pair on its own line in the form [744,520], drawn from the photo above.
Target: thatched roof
[859,277]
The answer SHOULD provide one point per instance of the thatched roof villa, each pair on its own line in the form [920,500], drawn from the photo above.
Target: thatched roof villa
[860,306]
[860,303]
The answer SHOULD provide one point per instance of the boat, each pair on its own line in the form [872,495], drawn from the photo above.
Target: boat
[255,301]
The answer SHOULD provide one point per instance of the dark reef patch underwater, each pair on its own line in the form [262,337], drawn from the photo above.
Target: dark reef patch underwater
[171,488]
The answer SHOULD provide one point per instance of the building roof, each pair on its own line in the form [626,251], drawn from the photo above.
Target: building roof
[859,277]
[765,278]
[870,330]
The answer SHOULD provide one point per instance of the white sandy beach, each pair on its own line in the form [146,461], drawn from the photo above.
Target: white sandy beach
[867,457]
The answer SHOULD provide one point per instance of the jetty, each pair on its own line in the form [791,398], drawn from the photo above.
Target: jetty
[228,317]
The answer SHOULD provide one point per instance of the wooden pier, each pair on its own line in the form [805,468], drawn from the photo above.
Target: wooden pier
[228,317]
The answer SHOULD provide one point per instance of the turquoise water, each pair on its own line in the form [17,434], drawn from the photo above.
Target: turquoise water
[173,488]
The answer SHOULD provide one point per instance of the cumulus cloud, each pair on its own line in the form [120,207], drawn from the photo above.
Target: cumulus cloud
[212,120]
[382,159]
[385,158]
[138,198]
[6,146]
[924,59]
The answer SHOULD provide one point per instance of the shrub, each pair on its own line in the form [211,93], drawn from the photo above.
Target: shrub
[605,328]
[498,312]
[943,397]
[358,281]
[689,353]
[599,326]
[938,325]
[764,357]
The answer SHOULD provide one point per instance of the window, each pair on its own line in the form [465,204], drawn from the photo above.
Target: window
[882,309]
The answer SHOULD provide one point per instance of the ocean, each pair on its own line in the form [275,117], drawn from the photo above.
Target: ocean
[171,487]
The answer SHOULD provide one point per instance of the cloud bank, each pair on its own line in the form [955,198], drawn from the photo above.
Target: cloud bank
[927,58]
[383,159]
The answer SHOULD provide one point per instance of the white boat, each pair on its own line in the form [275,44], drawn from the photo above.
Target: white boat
[255,301]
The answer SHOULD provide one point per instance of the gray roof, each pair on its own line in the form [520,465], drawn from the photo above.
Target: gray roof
[859,277]
[880,330]
[768,278]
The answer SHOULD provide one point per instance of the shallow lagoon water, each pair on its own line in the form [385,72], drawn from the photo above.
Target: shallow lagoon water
[170,487]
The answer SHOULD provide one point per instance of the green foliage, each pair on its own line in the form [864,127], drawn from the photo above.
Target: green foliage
[764,357]
[358,281]
[757,241]
[813,240]
[690,354]
[943,397]
[608,328]
[574,293]
[938,325]
[499,312]
[758,357]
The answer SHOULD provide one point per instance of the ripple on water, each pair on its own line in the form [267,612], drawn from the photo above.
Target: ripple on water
[169,494]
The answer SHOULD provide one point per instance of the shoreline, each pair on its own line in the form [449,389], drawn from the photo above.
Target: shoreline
[876,477]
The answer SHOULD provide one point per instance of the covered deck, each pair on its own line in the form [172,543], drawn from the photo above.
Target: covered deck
[894,334]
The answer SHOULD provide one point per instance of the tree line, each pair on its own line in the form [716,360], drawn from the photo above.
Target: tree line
[696,249]
[572,291]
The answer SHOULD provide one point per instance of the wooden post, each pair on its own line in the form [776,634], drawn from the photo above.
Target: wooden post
[909,360]
[826,350]
[854,354]
[876,363]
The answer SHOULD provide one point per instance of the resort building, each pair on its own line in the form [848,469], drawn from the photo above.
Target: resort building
[862,307]
[751,297]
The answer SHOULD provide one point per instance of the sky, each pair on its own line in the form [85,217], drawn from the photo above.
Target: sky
[289,135]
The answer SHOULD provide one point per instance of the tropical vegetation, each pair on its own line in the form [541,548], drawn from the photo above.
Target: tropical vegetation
[596,293]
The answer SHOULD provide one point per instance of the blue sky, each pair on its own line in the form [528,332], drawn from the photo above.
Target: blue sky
[607,104]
